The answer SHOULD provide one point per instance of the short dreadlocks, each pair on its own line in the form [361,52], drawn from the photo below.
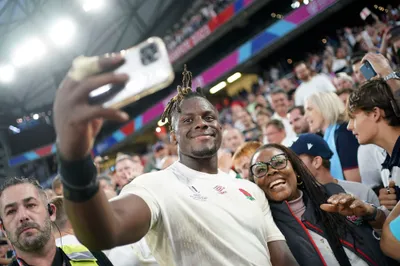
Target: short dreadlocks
[184,92]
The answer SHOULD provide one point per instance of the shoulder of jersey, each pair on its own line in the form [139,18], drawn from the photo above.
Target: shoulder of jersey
[247,184]
[152,177]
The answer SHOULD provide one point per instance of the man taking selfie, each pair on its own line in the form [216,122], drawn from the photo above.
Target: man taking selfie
[191,213]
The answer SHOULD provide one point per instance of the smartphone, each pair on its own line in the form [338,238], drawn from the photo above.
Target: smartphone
[149,70]
[367,70]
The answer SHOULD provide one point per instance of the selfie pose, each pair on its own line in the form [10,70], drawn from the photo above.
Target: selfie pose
[190,213]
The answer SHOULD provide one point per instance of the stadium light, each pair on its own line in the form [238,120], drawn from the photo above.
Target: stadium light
[295,4]
[31,50]
[92,5]
[7,73]
[218,87]
[234,77]
[62,32]
[35,116]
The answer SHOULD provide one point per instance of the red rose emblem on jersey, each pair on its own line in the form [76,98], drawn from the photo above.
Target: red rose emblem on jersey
[247,194]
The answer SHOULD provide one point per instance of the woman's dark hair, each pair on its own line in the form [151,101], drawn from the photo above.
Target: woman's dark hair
[336,226]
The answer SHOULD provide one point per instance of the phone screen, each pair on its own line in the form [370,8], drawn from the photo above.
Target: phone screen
[367,70]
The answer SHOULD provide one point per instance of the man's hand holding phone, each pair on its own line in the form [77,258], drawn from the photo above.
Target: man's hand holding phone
[379,64]
[382,68]
[76,121]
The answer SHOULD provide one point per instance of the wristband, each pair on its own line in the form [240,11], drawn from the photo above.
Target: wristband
[78,178]
[394,227]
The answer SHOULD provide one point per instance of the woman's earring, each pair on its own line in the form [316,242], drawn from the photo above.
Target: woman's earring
[301,181]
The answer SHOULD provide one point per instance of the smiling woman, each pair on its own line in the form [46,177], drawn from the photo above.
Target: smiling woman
[315,237]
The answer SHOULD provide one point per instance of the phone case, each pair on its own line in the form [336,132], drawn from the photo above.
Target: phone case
[145,76]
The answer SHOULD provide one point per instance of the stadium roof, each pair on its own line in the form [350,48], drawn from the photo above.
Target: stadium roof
[40,38]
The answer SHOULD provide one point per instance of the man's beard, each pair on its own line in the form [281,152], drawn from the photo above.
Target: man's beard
[31,243]
[205,152]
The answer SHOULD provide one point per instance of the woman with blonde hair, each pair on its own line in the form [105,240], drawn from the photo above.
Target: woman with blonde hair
[325,113]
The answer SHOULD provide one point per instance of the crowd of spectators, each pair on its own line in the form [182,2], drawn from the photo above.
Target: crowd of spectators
[275,111]
[197,16]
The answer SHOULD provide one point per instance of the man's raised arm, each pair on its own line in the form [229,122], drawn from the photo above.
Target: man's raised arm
[382,68]
[99,224]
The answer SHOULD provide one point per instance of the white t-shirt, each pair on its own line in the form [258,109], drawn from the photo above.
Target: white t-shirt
[287,142]
[370,159]
[318,83]
[205,219]
[137,254]
[290,134]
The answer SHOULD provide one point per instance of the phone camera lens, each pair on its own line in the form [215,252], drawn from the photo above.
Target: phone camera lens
[149,54]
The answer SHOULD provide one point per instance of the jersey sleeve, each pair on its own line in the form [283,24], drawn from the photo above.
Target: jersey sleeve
[141,189]
[273,232]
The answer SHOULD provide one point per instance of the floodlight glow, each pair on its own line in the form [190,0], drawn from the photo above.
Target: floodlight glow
[7,73]
[218,87]
[234,77]
[35,116]
[62,32]
[295,4]
[31,50]
[91,5]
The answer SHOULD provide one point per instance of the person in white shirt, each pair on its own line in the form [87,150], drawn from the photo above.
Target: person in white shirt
[298,120]
[280,104]
[276,133]
[370,158]
[310,83]
[190,213]
[232,138]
